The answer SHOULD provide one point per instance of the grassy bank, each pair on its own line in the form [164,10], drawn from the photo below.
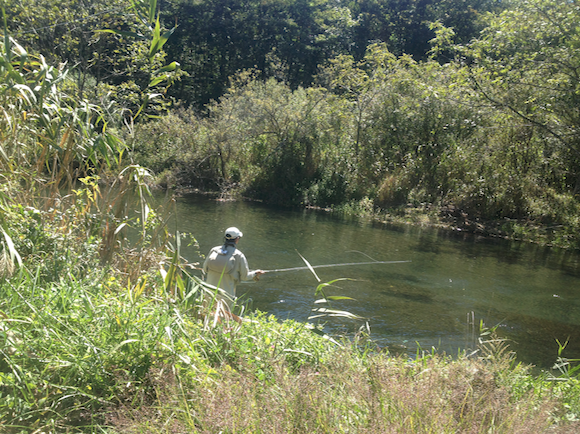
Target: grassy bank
[91,352]
[453,219]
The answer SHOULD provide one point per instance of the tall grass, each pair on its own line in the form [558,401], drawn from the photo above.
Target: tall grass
[88,353]
[70,281]
[354,393]
[74,349]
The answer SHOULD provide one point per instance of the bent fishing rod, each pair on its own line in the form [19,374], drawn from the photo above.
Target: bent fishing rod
[279,270]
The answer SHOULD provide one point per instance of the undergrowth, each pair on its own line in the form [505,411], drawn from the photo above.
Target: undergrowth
[350,392]
[94,355]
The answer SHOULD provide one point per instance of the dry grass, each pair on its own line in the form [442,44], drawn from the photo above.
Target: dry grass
[383,394]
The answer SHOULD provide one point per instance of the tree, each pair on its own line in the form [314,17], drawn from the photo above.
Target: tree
[145,66]
[527,63]
[404,25]
[65,32]
[103,65]
[285,39]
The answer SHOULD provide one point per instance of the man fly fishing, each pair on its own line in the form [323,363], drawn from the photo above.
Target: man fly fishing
[225,266]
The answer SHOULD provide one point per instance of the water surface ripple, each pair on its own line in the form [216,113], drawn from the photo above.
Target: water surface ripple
[532,292]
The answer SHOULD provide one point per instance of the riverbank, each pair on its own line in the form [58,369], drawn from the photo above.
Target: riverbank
[88,354]
[352,392]
[452,219]
[448,218]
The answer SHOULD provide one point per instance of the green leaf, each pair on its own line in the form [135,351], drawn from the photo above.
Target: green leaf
[155,40]
[320,287]
[339,297]
[152,10]
[167,68]
[123,33]
[155,82]
[309,266]
[122,344]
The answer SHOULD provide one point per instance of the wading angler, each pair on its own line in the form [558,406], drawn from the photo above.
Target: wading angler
[225,266]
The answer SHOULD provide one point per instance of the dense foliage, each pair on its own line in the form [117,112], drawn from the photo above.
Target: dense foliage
[291,40]
[461,108]
[483,134]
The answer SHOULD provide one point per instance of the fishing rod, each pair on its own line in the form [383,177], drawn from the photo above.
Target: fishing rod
[279,270]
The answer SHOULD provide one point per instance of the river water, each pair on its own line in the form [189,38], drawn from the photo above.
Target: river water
[452,280]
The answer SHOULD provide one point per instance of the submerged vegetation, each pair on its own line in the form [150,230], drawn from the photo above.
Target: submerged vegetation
[104,328]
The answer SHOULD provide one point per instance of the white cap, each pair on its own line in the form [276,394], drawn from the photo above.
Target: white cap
[233,233]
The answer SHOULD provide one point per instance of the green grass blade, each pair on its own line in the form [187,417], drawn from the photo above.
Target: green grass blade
[309,266]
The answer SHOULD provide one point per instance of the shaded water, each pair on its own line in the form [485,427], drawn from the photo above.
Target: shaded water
[532,292]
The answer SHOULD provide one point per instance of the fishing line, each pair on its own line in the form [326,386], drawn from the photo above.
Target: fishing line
[279,270]
[362,253]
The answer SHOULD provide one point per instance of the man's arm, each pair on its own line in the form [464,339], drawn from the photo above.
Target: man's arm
[244,269]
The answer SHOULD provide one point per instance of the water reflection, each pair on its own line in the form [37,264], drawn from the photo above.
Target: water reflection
[532,292]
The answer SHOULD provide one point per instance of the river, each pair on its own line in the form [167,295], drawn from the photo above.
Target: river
[451,281]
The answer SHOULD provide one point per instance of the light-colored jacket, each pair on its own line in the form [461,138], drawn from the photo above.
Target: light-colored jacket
[232,263]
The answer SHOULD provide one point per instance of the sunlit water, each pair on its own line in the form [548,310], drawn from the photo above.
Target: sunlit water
[532,292]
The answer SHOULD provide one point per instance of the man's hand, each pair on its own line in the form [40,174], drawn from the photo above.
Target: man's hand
[257,274]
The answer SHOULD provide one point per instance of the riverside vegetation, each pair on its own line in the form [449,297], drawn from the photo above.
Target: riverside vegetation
[480,136]
[460,113]
[105,328]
